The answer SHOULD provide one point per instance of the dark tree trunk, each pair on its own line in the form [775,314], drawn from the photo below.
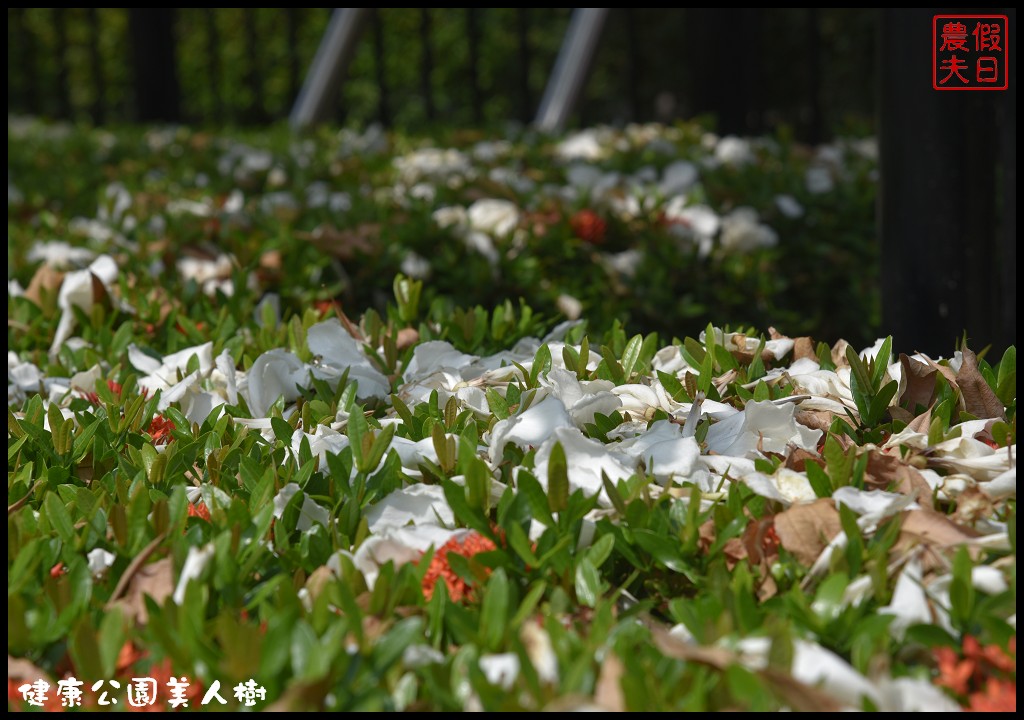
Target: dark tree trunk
[942,273]
[157,94]
[725,52]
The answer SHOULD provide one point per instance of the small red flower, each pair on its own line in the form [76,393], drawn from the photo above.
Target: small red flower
[979,675]
[114,388]
[160,430]
[997,696]
[57,570]
[199,510]
[954,673]
[127,657]
[439,569]
[588,226]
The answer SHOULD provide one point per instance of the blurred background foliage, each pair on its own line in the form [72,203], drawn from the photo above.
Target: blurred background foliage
[754,69]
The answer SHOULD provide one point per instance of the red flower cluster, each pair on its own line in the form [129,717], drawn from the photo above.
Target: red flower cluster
[439,569]
[159,427]
[160,430]
[588,226]
[199,510]
[114,388]
[975,672]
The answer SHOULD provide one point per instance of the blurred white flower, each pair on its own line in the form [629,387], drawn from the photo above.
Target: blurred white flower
[195,563]
[100,560]
[569,306]
[742,231]
[789,206]
[582,145]
[77,291]
[678,178]
[818,180]
[432,164]
[733,151]
[494,217]
[59,254]
[415,266]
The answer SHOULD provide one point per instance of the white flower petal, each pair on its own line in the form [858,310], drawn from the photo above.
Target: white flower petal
[586,460]
[309,513]
[761,426]
[1002,486]
[195,564]
[539,649]
[413,505]
[909,601]
[913,695]
[501,670]
[435,355]
[786,486]
[816,666]
[494,217]
[99,560]
[666,453]
[529,428]
[417,656]
[275,373]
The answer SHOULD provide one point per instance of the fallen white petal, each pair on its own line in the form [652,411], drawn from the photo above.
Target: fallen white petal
[762,426]
[195,564]
[1002,486]
[909,601]
[785,486]
[309,513]
[501,669]
[586,460]
[413,505]
[913,695]
[99,560]
[529,428]
[275,373]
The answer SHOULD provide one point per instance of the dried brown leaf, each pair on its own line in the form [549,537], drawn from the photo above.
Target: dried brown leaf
[937,533]
[839,354]
[945,371]
[803,347]
[979,399]
[922,422]
[345,244]
[734,550]
[920,383]
[608,691]
[816,419]
[22,670]
[407,337]
[805,530]
[935,529]
[798,459]
[155,580]
[706,534]
[889,472]
[318,580]
[715,657]
[973,505]
[799,696]
[44,286]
